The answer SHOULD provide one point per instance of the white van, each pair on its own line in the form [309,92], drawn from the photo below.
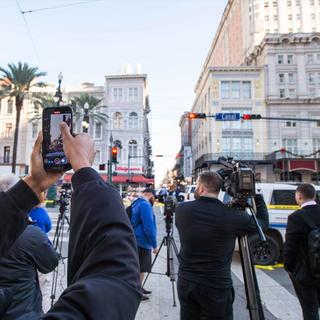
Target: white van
[280,201]
[189,192]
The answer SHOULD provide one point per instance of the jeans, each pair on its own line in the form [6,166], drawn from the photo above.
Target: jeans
[199,302]
[309,299]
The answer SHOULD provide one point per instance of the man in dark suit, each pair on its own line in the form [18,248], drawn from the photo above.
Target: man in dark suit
[296,250]
[208,230]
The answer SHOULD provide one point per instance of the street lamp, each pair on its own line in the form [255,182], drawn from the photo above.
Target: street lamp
[58,95]
[85,122]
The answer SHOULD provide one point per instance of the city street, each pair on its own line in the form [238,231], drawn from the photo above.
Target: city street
[276,291]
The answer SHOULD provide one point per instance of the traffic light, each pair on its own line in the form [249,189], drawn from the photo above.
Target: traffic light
[102,167]
[196,115]
[251,117]
[114,153]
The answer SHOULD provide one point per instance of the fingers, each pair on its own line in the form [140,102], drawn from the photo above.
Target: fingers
[65,130]
[37,144]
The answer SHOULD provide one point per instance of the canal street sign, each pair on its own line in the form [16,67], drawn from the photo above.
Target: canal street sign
[227,116]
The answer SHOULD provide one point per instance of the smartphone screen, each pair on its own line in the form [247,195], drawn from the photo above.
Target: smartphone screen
[54,157]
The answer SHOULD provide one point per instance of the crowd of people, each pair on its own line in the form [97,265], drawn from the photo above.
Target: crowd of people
[110,249]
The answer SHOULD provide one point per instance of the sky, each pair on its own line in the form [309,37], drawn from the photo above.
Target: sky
[86,41]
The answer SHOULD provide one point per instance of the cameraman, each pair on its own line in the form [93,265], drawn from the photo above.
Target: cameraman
[208,230]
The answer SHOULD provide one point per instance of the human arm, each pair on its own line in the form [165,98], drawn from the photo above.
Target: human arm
[292,241]
[148,224]
[103,267]
[40,250]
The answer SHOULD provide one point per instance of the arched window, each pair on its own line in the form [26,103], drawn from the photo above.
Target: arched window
[133,148]
[133,120]
[117,120]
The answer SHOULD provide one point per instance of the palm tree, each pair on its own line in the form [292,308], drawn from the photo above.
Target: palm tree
[15,82]
[41,101]
[78,108]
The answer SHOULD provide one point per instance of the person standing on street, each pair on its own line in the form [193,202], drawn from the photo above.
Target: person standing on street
[145,229]
[40,217]
[296,249]
[208,230]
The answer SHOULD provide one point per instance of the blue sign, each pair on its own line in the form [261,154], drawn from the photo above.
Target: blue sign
[227,116]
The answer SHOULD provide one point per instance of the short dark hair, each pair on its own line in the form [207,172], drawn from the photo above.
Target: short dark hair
[211,180]
[307,190]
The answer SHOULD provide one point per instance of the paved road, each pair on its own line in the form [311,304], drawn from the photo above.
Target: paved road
[276,291]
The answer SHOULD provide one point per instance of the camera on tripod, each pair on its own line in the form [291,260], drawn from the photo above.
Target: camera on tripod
[169,207]
[65,195]
[238,178]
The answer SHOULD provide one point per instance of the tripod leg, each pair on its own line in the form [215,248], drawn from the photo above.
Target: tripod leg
[175,247]
[153,262]
[174,295]
[250,280]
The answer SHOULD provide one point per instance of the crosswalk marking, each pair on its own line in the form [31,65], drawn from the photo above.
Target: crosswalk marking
[280,302]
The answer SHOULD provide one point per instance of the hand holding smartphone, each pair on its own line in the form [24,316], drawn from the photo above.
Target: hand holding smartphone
[54,158]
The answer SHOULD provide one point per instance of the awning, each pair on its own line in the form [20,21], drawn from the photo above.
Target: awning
[117,179]
[297,165]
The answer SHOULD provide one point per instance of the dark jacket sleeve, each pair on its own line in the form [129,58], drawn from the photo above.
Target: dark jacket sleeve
[246,223]
[103,268]
[14,207]
[40,250]
[294,234]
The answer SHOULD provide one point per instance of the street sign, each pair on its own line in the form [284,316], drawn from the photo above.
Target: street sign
[227,116]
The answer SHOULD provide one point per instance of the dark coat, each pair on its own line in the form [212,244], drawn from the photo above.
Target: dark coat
[296,244]
[103,267]
[14,207]
[19,283]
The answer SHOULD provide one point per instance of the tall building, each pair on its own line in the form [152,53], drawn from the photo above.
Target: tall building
[279,41]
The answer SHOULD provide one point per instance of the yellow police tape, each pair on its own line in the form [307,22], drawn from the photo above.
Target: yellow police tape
[271,267]
[283,207]
[49,201]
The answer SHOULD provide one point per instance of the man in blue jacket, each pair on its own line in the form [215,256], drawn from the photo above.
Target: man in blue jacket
[145,229]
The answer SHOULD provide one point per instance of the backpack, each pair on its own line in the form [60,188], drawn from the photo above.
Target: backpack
[313,248]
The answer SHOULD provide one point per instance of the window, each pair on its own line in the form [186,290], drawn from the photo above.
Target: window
[274,3]
[289,3]
[297,2]
[275,30]
[318,57]
[246,89]
[34,130]
[290,17]
[266,4]
[283,197]
[280,59]
[235,89]
[275,18]
[8,130]
[266,18]
[291,77]
[311,2]
[290,30]
[9,107]
[117,120]
[241,146]
[290,59]
[292,93]
[311,77]
[130,94]
[6,154]
[115,93]
[298,16]
[313,16]
[291,124]
[309,58]
[120,94]
[282,93]
[133,148]
[281,77]
[290,145]
[133,120]
[225,86]
[97,158]
[135,91]
[312,92]
[97,130]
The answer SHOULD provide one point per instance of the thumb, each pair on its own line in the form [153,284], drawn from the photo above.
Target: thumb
[37,144]
[65,131]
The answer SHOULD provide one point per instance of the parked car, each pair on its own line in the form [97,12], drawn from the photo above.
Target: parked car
[188,195]
[280,201]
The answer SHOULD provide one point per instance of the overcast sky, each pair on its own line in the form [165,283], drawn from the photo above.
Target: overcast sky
[170,38]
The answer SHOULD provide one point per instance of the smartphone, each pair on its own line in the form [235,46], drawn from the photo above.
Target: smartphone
[54,158]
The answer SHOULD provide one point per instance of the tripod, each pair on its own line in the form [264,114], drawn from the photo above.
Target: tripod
[168,241]
[254,304]
[58,239]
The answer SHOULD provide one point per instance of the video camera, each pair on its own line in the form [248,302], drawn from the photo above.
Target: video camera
[238,178]
[65,195]
[169,207]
